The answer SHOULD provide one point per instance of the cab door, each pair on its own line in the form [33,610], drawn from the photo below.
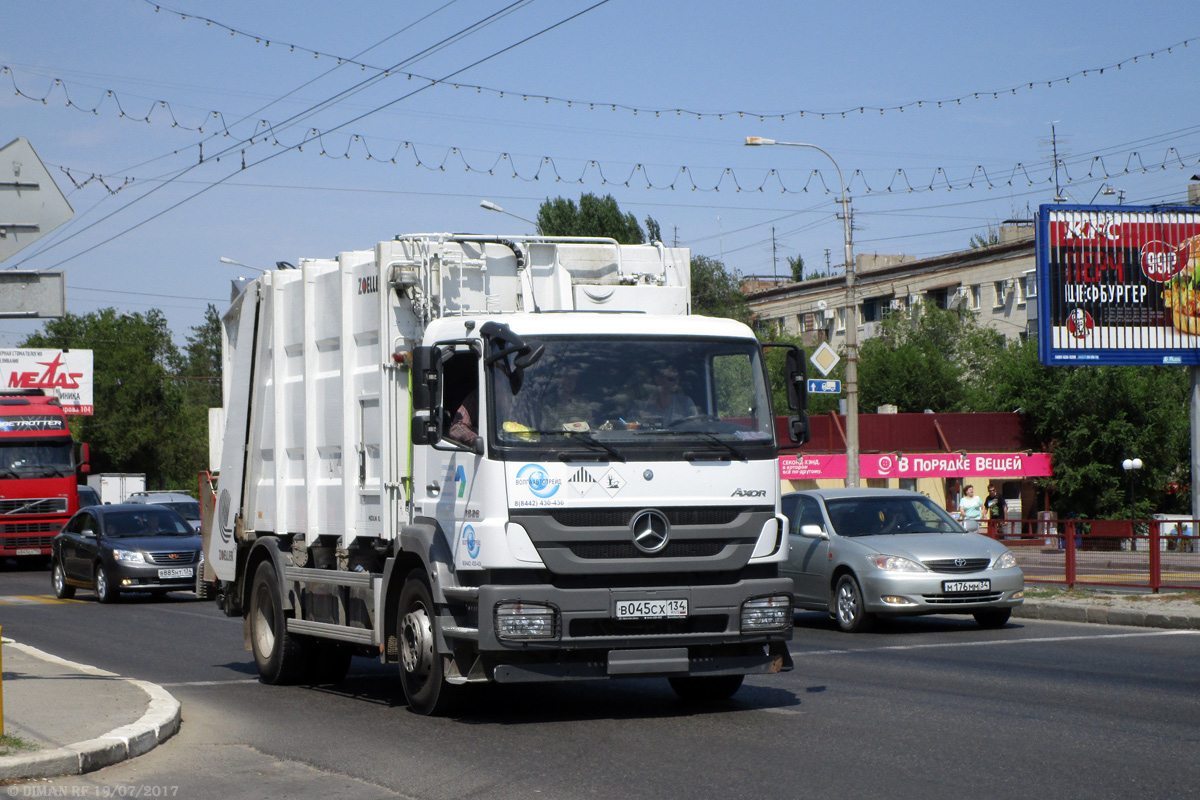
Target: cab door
[79,555]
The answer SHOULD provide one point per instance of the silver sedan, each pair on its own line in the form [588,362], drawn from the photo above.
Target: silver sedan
[862,553]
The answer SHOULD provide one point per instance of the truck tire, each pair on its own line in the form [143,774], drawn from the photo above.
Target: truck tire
[706,688]
[421,672]
[279,655]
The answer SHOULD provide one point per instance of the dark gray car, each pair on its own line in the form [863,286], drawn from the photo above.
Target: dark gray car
[862,553]
[125,548]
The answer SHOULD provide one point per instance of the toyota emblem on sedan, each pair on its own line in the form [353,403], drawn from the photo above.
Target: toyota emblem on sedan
[650,531]
[960,562]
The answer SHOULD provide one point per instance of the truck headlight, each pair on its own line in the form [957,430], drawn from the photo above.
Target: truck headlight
[128,556]
[516,621]
[767,613]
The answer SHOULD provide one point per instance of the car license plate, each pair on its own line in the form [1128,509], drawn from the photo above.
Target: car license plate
[956,587]
[181,572]
[652,609]
[29,551]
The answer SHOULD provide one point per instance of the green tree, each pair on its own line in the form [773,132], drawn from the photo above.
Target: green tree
[979,240]
[593,216]
[1092,418]
[926,358]
[717,292]
[797,265]
[653,230]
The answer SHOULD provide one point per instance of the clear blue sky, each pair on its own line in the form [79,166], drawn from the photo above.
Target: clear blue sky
[714,59]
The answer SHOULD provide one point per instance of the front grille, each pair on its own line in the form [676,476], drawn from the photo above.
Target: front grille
[31,527]
[173,557]
[26,541]
[621,517]
[697,549]
[961,599]
[701,623]
[949,565]
[33,505]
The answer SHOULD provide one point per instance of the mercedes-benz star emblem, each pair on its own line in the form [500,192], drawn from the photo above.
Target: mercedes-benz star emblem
[650,531]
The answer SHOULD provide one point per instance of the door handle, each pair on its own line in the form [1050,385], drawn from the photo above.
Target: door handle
[434,488]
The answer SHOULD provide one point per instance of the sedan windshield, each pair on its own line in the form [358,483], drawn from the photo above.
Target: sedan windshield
[612,396]
[151,522]
[881,516]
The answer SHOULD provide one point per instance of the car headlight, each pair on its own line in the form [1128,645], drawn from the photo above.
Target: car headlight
[128,556]
[896,564]
[1006,560]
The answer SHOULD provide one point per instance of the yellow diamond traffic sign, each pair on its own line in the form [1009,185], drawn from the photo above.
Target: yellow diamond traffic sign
[824,358]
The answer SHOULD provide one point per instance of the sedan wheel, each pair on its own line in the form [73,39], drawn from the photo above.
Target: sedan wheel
[848,606]
[105,591]
[62,589]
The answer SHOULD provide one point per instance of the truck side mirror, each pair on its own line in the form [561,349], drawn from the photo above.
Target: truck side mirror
[84,458]
[426,377]
[425,430]
[799,429]
[796,378]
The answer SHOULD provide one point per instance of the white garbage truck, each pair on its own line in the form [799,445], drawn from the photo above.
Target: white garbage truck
[498,459]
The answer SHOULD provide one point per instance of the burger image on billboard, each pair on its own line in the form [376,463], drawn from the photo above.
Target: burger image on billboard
[1182,291]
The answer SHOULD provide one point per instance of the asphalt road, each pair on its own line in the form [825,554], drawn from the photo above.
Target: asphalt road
[934,707]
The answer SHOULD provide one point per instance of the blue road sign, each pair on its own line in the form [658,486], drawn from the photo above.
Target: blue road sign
[820,386]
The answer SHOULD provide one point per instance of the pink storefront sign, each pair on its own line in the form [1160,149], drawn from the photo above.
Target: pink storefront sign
[918,465]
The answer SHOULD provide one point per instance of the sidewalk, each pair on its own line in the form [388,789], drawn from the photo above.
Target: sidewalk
[1179,610]
[77,718]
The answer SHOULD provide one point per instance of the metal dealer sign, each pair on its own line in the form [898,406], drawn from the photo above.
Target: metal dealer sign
[1118,285]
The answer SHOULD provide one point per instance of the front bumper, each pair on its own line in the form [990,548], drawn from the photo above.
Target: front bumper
[146,577]
[590,642]
[923,593]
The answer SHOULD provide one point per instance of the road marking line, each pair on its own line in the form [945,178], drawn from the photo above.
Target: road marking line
[30,599]
[211,683]
[1039,640]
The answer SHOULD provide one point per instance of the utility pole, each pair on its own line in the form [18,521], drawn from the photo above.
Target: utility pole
[828,269]
[774,257]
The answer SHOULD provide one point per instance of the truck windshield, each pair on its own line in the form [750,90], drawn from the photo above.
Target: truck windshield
[40,458]
[619,398]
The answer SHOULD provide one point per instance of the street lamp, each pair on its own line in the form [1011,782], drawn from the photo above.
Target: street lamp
[490,206]
[225,260]
[1129,465]
[1105,190]
[852,466]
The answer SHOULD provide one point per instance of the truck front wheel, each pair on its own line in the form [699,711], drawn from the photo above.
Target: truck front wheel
[278,655]
[420,662]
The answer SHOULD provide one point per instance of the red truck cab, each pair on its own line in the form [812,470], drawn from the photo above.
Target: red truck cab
[38,474]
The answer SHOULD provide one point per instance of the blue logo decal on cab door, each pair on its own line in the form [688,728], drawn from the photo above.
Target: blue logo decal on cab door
[539,483]
[471,542]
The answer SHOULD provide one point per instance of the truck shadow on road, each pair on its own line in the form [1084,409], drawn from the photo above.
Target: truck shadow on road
[525,704]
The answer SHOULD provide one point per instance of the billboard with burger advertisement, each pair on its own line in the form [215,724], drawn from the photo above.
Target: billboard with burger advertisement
[1118,285]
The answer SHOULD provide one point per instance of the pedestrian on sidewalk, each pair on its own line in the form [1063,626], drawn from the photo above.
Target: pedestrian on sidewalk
[997,511]
[970,509]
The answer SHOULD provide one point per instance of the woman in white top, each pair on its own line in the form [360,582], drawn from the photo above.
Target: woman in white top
[970,509]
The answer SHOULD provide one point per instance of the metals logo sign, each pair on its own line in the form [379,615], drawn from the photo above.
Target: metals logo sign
[1118,285]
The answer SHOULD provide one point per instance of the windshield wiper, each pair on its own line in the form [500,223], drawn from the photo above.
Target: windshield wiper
[586,438]
[710,437]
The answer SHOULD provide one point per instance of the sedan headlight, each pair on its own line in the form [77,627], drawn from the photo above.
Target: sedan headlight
[128,556]
[896,564]
[1006,560]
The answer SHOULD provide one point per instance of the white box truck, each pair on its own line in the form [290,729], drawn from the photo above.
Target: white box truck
[498,459]
[114,487]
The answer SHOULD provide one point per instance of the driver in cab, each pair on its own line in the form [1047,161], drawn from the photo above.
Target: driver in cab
[665,404]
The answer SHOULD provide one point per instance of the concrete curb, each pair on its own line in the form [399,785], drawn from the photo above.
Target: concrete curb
[1105,615]
[159,723]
